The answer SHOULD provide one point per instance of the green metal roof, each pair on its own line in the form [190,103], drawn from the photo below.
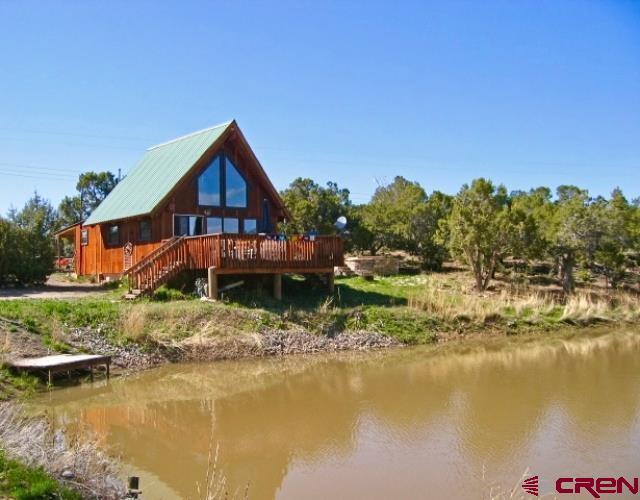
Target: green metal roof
[155,175]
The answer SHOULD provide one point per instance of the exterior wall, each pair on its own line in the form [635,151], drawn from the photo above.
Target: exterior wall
[100,259]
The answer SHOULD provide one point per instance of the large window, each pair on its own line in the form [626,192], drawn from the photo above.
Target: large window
[235,186]
[222,172]
[113,237]
[84,237]
[250,226]
[214,225]
[231,225]
[228,225]
[145,230]
[209,185]
[187,225]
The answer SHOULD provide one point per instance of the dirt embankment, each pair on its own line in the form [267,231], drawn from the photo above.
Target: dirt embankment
[265,343]
[17,342]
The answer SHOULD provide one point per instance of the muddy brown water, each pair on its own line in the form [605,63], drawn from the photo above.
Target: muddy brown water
[405,423]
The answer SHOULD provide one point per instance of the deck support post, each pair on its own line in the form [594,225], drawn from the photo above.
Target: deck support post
[331,283]
[277,286]
[213,283]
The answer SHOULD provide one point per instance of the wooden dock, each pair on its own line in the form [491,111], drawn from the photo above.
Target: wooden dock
[62,363]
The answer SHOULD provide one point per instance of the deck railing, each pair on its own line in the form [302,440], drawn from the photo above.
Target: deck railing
[246,253]
[237,253]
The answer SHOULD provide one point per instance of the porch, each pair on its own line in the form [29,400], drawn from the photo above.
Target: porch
[235,254]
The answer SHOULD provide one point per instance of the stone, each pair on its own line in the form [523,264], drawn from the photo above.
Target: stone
[68,475]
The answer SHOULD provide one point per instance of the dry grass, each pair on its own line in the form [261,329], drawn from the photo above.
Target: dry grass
[57,330]
[34,442]
[215,484]
[451,301]
[5,347]
[161,322]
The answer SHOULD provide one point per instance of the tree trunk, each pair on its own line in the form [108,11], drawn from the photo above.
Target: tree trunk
[479,275]
[476,267]
[492,271]
[479,281]
[567,262]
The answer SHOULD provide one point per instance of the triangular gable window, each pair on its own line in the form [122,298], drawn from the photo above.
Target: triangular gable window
[221,172]
[236,186]
[209,185]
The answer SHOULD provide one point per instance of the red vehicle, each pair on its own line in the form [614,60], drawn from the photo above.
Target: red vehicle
[64,263]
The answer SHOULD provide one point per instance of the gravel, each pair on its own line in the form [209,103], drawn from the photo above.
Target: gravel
[127,356]
[265,343]
[279,342]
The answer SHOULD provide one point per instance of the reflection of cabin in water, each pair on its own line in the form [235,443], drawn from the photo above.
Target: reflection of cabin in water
[201,201]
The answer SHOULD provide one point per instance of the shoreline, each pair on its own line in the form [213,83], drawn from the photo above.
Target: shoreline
[278,343]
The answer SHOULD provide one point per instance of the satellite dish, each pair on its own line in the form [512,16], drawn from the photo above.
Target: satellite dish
[341,223]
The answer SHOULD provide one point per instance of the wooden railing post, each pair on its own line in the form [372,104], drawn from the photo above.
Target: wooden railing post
[258,251]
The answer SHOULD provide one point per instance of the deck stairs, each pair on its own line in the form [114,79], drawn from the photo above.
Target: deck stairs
[233,254]
[157,268]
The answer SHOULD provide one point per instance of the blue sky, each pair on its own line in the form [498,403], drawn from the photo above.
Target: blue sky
[526,93]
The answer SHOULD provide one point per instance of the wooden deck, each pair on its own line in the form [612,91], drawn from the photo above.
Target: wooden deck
[236,254]
[62,363]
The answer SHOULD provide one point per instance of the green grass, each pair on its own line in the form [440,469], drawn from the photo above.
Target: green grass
[23,483]
[403,324]
[166,294]
[43,315]
[413,309]
[12,385]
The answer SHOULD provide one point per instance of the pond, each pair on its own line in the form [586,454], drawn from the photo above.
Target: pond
[446,422]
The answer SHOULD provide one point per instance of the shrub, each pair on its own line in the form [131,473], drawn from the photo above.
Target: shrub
[26,255]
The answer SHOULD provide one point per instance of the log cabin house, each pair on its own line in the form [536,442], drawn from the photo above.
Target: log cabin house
[198,202]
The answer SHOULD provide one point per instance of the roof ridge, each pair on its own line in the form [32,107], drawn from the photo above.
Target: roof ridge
[225,124]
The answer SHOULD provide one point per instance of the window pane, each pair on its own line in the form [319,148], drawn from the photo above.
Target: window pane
[114,235]
[145,230]
[214,225]
[236,188]
[209,185]
[84,237]
[230,225]
[250,226]
[181,225]
[187,225]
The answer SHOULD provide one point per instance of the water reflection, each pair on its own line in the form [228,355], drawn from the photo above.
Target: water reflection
[399,423]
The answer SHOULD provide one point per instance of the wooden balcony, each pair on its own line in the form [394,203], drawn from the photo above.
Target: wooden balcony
[241,253]
[236,254]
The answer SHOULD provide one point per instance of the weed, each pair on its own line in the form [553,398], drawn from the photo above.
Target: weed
[23,483]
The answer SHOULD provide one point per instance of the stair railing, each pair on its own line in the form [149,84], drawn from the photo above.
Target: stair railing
[146,273]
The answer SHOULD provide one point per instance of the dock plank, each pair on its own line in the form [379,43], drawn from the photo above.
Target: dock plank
[61,362]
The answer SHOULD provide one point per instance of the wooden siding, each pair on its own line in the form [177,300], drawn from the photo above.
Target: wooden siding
[98,258]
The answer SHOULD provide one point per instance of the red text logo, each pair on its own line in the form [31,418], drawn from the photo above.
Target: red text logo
[595,486]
